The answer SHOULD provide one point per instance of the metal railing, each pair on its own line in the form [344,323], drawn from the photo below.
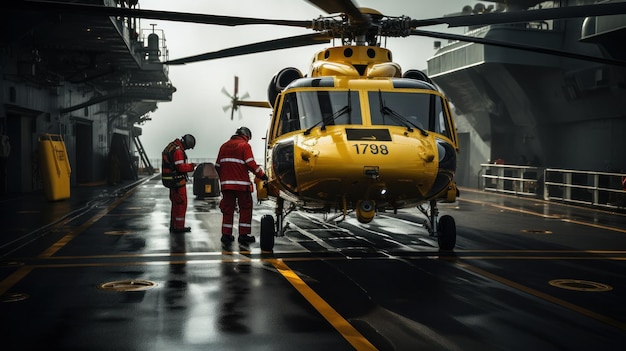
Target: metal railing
[591,188]
[602,189]
[512,179]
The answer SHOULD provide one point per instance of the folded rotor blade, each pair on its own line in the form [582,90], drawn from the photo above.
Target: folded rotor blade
[87,9]
[276,44]
[614,8]
[523,47]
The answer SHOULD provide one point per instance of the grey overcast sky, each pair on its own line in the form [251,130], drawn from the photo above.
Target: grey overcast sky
[197,105]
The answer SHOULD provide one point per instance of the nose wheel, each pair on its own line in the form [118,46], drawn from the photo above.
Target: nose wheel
[443,228]
[446,233]
[268,232]
[271,228]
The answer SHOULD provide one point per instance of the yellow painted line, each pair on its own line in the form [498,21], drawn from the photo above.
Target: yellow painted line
[544,296]
[18,275]
[204,257]
[537,258]
[182,259]
[12,279]
[356,339]
[74,233]
[511,209]
[539,201]
[594,225]
[604,252]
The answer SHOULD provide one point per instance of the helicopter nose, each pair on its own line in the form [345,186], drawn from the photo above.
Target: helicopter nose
[426,153]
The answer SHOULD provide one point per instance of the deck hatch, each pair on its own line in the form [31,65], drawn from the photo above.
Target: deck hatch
[128,285]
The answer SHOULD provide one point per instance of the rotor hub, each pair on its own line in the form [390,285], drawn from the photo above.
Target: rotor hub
[363,32]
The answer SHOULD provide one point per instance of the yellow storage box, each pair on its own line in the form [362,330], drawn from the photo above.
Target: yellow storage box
[55,167]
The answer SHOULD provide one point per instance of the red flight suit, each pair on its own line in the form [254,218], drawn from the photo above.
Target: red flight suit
[176,174]
[234,161]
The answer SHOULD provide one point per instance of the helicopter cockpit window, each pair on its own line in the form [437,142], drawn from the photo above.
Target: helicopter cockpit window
[289,116]
[312,108]
[418,109]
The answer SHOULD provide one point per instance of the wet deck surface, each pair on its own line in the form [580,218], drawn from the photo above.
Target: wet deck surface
[101,271]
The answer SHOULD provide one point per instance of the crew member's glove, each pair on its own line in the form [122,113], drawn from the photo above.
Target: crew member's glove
[264,177]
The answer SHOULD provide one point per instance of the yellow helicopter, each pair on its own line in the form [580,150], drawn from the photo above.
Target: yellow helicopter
[356,132]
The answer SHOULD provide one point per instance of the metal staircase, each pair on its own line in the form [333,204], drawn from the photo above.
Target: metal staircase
[142,155]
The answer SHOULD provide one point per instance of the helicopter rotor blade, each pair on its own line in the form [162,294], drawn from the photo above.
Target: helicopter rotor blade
[236,86]
[254,104]
[244,96]
[270,45]
[524,47]
[88,9]
[225,92]
[226,107]
[600,9]
[330,6]
[340,6]
[347,7]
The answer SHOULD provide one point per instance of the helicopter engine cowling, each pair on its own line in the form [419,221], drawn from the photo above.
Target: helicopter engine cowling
[365,211]
[418,75]
[280,82]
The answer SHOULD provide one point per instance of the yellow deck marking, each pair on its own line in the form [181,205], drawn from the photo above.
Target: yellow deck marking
[71,235]
[356,339]
[593,225]
[333,317]
[546,216]
[12,279]
[502,207]
[544,296]
[18,275]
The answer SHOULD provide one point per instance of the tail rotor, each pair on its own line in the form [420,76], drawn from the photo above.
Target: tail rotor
[236,101]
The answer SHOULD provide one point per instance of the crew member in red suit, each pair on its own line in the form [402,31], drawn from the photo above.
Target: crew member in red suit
[174,176]
[234,161]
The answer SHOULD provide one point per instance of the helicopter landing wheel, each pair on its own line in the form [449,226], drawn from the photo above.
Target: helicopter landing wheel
[268,232]
[446,233]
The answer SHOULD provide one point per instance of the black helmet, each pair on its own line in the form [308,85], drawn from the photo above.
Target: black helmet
[244,131]
[188,141]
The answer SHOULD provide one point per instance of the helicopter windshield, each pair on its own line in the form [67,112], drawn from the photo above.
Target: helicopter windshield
[419,109]
[306,109]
